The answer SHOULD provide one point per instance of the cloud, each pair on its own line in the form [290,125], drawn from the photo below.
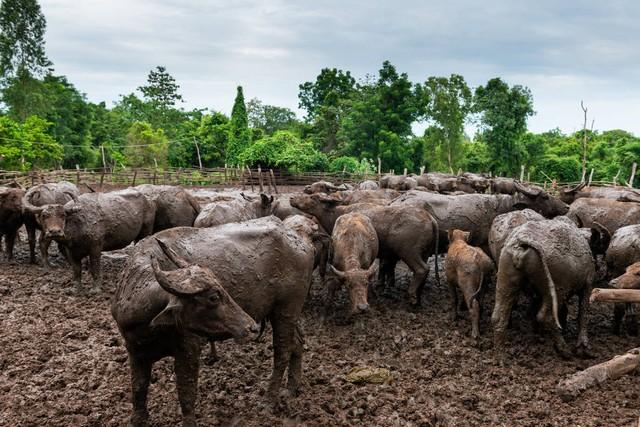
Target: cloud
[563,51]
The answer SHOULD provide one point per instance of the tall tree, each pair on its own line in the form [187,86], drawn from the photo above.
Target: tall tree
[269,118]
[22,54]
[239,134]
[314,95]
[448,103]
[503,118]
[161,95]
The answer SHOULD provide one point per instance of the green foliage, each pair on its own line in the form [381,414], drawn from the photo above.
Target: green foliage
[283,149]
[146,147]
[239,133]
[563,169]
[344,163]
[26,145]
[503,118]
[269,118]
[331,86]
[160,96]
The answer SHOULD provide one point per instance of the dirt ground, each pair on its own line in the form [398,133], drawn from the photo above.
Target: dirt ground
[63,363]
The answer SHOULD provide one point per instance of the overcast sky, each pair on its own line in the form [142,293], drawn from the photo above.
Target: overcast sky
[563,51]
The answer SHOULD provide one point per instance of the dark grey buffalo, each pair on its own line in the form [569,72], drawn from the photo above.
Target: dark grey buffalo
[406,233]
[323,187]
[97,222]
[504,224]
[439,182]
[623,250]
[368,185]
[262,264]
[313,232]
[218,213]
[175,206]
[500,185]
[398,182]
[476,212]
[552,259]
[354,243]
[621,194]
[383,196]
[611,214]
[11,219]
[36,204]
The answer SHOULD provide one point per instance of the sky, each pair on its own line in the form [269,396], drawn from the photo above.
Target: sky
[564,52]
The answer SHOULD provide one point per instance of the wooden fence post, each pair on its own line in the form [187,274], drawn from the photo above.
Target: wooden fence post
[521,173]
[273,181]
[615,178]
[250,179]
[135,174]
[405,172]
[633,173]
[260,179]
[268,183]
[590,177]
[379,169]
[77,174]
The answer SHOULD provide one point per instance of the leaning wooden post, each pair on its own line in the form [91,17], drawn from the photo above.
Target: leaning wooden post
[135,174]
[379,170]
[633,173]
[590,177]
[521,173]
[273,181]
[225,174]
[260,179]
[615,178]
[77,174]
[404,173]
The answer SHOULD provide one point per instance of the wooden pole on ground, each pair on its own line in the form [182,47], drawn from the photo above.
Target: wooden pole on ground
[615,295]
[614,368]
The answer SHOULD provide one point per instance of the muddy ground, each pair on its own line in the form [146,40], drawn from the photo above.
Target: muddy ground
[63,363]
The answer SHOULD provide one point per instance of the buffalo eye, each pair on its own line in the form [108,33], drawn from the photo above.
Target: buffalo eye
[215,297]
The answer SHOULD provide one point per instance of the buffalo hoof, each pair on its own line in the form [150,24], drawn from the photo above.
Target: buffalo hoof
[189,421]
[94,290]
[139,419]
[564,353]
[584,352]
[475,342]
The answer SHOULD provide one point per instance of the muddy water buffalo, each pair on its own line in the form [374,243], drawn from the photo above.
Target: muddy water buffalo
[406,233]
[476,212]
[42,216]
[380,197]
[501,185]
[630,279]
[313,232]
[436,181]
[12,218]
[262,264]
[175,206]
[218,213]
[282,208]
[477,182]
[164,313]
[610,213]
[552,259]
[368,185]
[323,187]
[354,249]
[504,224]
[621,194]
[398,182]
[623,250]
[96,222]
[467,268]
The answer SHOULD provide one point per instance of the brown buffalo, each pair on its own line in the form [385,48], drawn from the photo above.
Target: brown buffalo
[630,279]
[315,235]
[218,213]
[621,194]
[467,268]
[623,250]
[354,250]
[323,187]
[12,218]
[609,213]
[175,206]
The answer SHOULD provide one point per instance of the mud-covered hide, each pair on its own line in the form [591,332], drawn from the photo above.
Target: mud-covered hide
[52,194]
[205,196]
[504,224]
[398,182]
[218,213]
[623,250]
[439,182]
[478,183]
[383,196]
[500,185]
[175,206]
[324,187]
[282,208]
[476,212]
[11,216]
[620,194]
[553,260]
[368,185]
[611,214]
[310,230]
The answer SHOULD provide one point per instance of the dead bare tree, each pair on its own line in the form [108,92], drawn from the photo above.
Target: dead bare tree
[585,141]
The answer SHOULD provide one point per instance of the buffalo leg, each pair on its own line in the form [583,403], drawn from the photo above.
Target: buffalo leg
[186,366]
[94,267]
[140,377]
[283,335]
[420,272]
[10,241]
[213,353]
[31,238]
[506,293]
[618,315]
[295,363]
[44,251]
[332,286]
[76,265]
[583,309]
[454,301]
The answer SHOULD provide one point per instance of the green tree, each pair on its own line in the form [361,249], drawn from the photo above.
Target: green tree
[239,134]
[161,95]
[330,86]
[22,54]
[146,146]
[26,145]
[269,118]
[503,120]
[448,103]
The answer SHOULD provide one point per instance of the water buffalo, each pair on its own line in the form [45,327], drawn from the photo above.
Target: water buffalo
[623,250]
[439,182]
[11,219]
[406,233]
[164,313]
[313,232]
[282,208]
[630,279]
[175,206]
[97,222]
[323,187]
[621,194]
[262,264]
[552,259]
[504,224]
[501,185]
[478,183]
[609,213]
[368,185]
[398,182]
[380,197]
[218,213]
[354,250]
[36,203]
[475,212]
[467,268]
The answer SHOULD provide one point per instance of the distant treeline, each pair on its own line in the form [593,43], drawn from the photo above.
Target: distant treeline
[348,124]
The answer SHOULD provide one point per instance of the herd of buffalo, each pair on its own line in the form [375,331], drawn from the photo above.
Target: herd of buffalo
[208,266]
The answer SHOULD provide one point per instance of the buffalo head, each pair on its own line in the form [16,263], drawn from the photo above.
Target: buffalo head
[51,217]
[198,301]
[357,283]
[534,197]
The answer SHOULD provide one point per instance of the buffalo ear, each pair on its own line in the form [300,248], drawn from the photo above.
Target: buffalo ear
[170,316]
[520,205]
[173,281]
[266,201]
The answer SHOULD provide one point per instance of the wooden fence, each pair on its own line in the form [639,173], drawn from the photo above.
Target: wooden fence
[192,177]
